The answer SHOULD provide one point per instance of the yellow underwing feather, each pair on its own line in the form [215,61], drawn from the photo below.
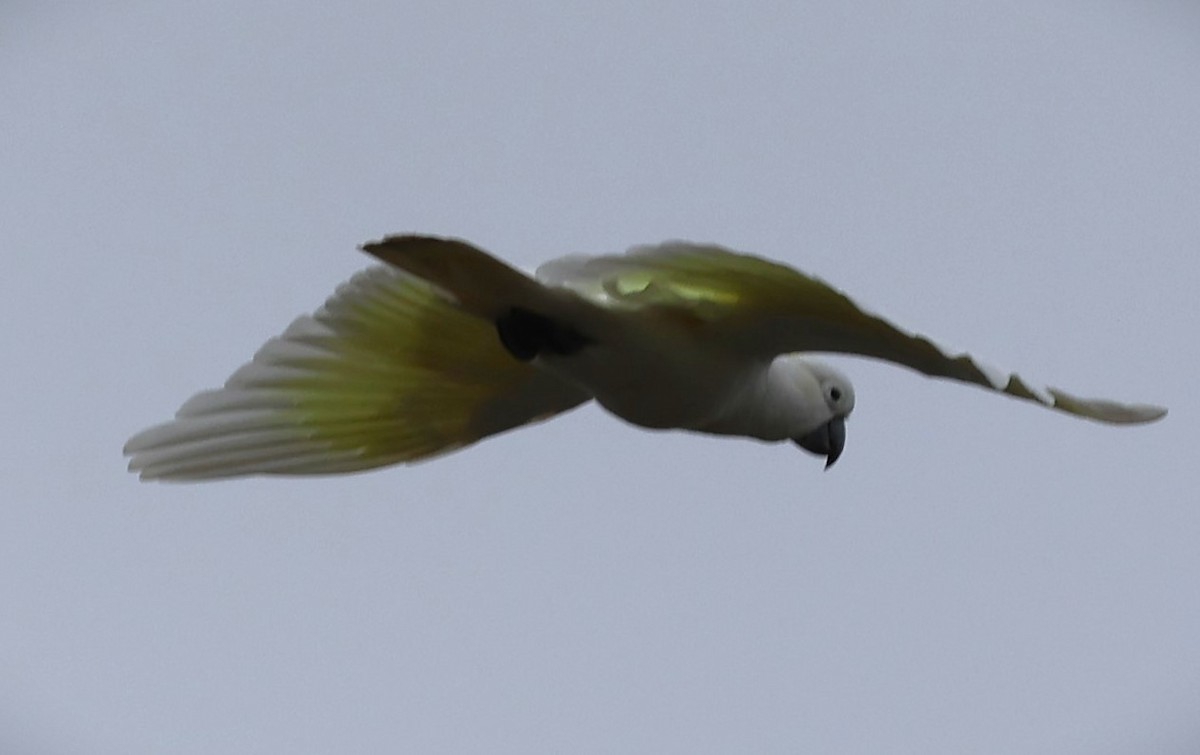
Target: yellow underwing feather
[387,371]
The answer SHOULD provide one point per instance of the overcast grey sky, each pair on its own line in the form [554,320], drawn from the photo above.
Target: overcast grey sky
[975,575]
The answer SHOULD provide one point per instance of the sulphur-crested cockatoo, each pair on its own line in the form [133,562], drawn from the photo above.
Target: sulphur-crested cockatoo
[445,345]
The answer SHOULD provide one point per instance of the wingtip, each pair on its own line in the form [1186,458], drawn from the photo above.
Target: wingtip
[1103,410]
[1154,413]
[1135,414]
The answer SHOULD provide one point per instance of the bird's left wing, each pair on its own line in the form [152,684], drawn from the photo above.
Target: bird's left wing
[388,371]
[765,309]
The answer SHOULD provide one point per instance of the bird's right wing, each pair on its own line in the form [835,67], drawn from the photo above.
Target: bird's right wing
[762,308]
[388,371]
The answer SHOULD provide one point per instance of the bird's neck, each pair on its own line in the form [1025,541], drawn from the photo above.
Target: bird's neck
[765,406]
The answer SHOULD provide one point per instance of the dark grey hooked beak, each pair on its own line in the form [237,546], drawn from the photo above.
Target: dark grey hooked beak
[828,440]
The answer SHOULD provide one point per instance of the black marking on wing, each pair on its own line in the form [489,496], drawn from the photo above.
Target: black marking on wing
[527,334]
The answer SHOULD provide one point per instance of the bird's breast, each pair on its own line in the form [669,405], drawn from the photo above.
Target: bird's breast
[679,388]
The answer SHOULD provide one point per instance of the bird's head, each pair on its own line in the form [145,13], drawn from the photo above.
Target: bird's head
[828,399]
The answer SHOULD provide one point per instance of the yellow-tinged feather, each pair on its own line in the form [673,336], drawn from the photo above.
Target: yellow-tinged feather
[765,309]
[387,371]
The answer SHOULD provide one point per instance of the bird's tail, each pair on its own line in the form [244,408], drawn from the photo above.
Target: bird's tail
[478,282]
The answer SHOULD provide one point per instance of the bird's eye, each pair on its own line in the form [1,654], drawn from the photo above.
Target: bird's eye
[835,393]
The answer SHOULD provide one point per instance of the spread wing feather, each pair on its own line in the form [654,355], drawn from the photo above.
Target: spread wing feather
[766,309]
[387,371]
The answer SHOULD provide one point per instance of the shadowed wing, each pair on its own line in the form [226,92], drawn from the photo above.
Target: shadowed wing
[766,309]
[386,372]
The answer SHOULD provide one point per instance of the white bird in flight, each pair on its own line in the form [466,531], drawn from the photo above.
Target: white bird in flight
[445,345]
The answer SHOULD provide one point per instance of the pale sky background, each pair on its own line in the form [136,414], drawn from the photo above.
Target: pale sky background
[179,180]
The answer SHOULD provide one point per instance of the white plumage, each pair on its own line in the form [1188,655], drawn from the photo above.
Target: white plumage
[446,345]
